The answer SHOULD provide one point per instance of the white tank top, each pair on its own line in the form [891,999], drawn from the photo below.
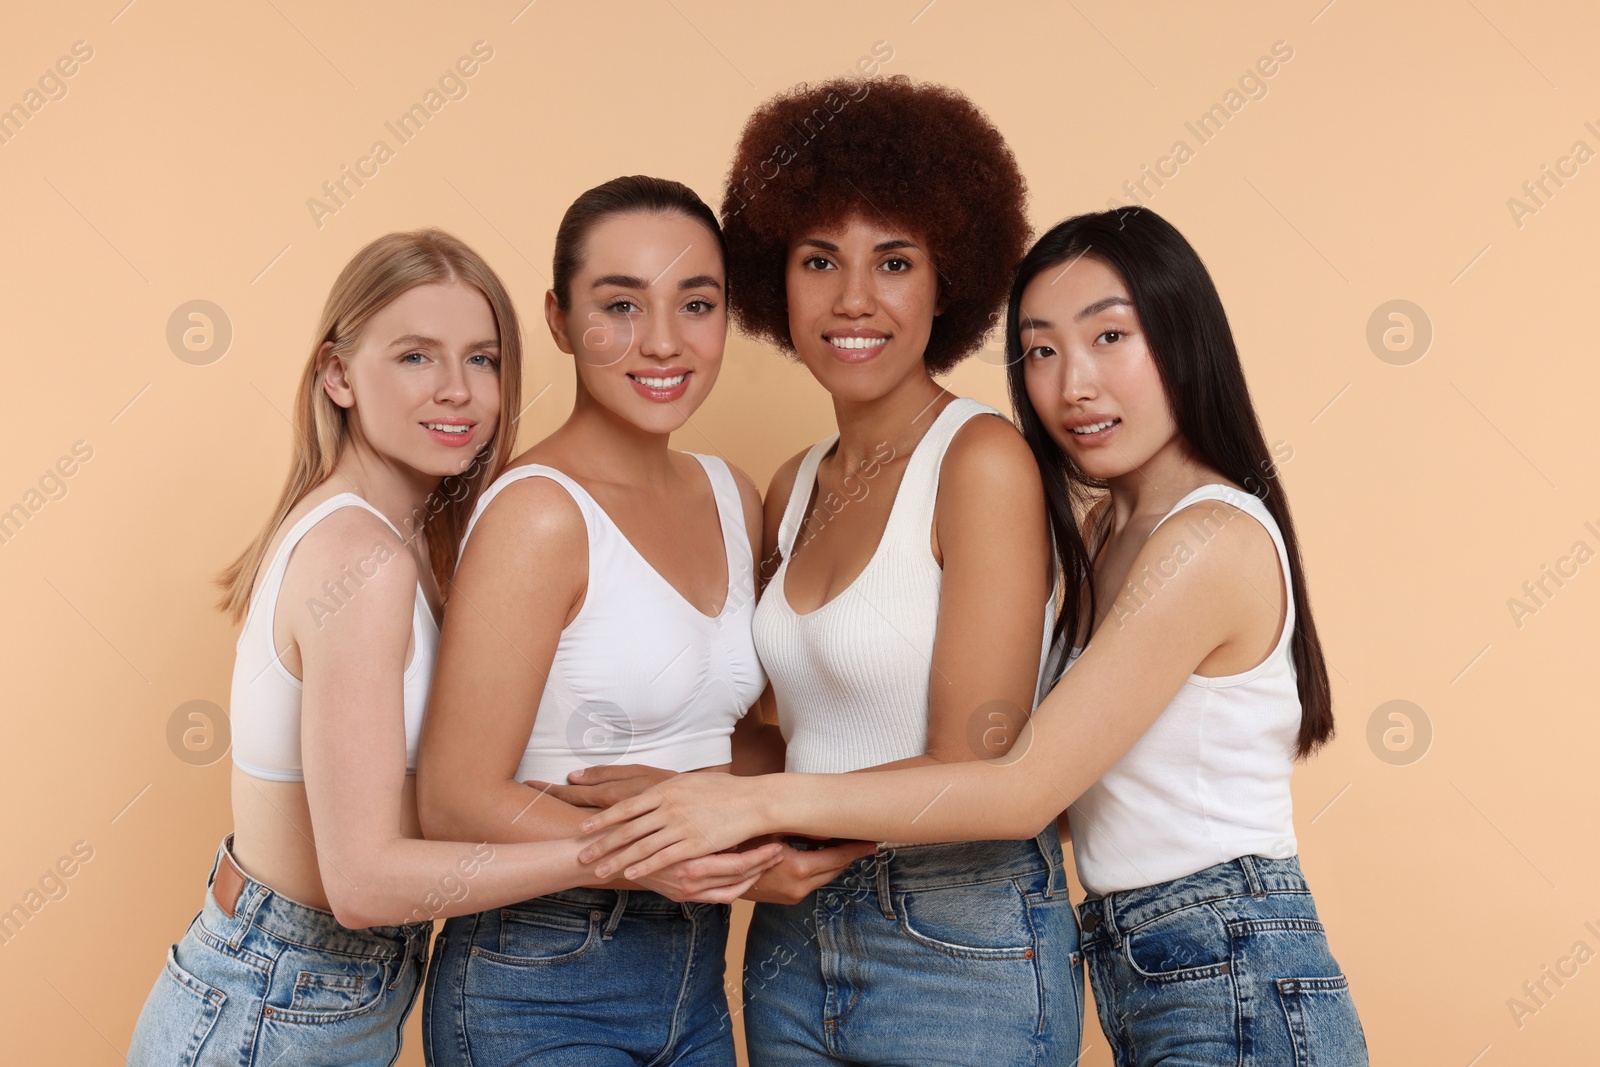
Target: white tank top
[1209,780]
[264,712]
[641,675]
[851,678]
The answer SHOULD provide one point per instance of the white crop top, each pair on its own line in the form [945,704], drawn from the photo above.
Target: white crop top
[265,705]
[1209,780]
[851,677]
[641,675]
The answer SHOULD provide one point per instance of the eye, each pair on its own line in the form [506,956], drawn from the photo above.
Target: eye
[487,360]
[698,306]
[816,263]
[897,265]
[622,306]
[1039,352]
[407,357]
[1115,335]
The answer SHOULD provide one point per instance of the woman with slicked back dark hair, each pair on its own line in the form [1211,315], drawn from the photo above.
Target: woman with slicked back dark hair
[1191,677]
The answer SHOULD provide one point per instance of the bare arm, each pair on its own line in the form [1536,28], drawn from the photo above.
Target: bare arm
[354,749]
[1120,685]
[521,579]
[993,544]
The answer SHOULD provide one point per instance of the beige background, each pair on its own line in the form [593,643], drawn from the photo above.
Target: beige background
[1377,167]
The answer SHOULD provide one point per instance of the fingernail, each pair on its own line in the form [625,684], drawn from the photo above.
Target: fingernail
[586,825]
[602,870]
[630,872]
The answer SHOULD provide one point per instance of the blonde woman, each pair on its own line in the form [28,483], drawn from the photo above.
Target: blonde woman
[311,943]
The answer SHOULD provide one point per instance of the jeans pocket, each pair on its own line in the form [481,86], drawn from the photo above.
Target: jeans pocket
[541,934]
[326,988]
[1188,944]
[178,1016]
[1323,1024]
[986,922]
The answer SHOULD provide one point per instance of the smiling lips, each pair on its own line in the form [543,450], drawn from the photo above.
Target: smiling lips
[667,385]
[1092,429]
[452,433]
[856,347]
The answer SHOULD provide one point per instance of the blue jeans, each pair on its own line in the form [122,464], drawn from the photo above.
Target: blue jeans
[591,977]
[279,983]
[956,954]
[1225,966]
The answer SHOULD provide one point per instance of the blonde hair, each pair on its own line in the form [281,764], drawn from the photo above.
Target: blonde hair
[378,274]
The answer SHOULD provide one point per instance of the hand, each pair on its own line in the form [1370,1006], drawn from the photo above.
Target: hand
[719,879]
[801,871]
[601,787]
[686,816]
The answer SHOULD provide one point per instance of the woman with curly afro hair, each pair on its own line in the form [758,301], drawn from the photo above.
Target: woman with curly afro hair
[873,227]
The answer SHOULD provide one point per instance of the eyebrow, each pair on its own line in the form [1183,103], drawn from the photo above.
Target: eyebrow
[429,342]
[629,281]
[1028,323]
[881,246]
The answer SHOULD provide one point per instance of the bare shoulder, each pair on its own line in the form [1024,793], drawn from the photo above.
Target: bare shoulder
[988,459]
[352,562]
[1221,549]
[535,510]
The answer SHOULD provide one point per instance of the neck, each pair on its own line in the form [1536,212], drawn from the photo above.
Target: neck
[624,451]
[400,492]
[1150,490]
[898,418]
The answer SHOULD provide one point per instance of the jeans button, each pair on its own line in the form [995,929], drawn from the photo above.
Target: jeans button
[1091,922]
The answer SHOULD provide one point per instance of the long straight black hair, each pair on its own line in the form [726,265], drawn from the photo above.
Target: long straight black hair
[1188,336]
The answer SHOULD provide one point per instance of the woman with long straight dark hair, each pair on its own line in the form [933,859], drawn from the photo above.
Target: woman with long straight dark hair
[1192,677]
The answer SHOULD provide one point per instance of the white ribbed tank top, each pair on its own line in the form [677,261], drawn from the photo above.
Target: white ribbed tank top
[1209,780]
[641,675]
[851,678]
[264,709]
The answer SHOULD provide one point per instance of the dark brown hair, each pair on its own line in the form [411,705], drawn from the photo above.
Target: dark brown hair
[1192,346]
[620,196]
[922,157]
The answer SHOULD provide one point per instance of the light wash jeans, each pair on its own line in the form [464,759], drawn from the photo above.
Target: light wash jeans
[279,984]
[1225,966]
[960,954]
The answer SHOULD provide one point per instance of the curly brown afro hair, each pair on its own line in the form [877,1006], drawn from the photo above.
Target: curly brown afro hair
[922,156]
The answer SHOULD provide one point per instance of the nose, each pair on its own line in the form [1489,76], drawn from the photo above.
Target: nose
[659,337]
[453,387]
[1077,379]
[856,296]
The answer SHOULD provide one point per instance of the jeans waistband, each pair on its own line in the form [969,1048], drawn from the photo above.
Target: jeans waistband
[620,902]
[271,912]
[945,866]
[1253,876]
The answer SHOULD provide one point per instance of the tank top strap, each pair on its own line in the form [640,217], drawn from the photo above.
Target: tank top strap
[911,516]
[805,480]
[272,582]
[1251,505]
[730,515]
[580,496]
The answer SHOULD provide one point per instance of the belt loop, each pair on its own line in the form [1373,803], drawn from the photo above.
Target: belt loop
[245,917]
[405,957]
[1052,860]
[1252,877]
[1109,911]
[885,893]
[615,919]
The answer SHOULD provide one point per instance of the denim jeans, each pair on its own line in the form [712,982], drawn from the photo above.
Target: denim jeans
[279,983]
[1225,966]
[592,977]
[958,954]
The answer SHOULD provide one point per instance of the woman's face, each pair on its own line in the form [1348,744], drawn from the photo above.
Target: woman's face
[422,386]
[1090,374]
[647,319]
[862,298]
